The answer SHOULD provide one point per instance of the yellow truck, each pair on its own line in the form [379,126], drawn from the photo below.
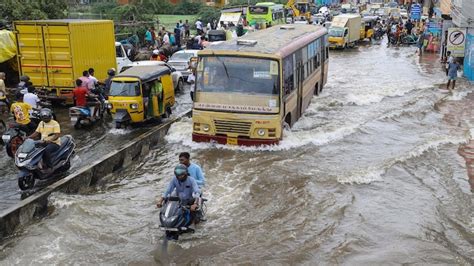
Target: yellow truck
[344,31]
[54,53]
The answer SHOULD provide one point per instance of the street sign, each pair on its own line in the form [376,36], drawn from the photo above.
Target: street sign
[456,41]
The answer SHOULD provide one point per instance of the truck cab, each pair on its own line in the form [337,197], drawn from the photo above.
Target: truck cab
[122,56]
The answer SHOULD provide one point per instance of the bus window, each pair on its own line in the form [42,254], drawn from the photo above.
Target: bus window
[229,74]
[288,75]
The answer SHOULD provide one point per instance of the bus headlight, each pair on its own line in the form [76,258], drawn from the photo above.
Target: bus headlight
[261,132]
[205,127]
[134,106]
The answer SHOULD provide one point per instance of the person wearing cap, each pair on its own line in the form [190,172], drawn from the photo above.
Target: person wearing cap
[21,111]
[186,188]
[49,131]
[155,55]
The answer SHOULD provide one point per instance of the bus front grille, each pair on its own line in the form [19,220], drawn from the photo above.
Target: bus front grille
[237,127]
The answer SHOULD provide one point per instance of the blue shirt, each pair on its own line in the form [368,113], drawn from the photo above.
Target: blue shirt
[195,171]
[452,71]
[186,190]
[148,36]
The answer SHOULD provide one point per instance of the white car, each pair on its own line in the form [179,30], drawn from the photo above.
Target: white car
[178,79]
[181,61]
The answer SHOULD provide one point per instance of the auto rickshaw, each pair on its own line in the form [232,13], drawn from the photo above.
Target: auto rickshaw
[367,27]
[141,93]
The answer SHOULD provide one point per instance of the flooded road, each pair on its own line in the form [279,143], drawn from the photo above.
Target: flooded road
[91,144]
[371,174]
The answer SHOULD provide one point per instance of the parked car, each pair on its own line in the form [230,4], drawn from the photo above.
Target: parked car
[181,61]
[178,79]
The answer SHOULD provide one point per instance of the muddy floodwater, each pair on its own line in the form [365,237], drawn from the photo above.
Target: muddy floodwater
[370,175]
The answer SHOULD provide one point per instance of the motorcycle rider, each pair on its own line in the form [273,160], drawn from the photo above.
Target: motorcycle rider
[21,111]
[193,169]
[49,131]
[31,98]
[186,188]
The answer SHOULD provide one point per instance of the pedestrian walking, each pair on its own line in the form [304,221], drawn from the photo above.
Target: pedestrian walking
[177,34]
[453,73]
[420,43]
[199,27]
[186,29]
[448,61]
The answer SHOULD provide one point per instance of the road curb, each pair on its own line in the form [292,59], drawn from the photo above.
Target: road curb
[35,206]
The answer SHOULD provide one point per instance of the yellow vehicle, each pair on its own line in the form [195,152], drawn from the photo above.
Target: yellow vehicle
[367,27]
[300,8]
[248,90]
[54,53]
[344,31]
[141,93]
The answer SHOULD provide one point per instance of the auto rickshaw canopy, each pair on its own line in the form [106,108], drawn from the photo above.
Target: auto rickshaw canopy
[145,73]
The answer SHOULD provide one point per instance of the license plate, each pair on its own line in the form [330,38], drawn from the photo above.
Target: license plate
[231,141]
[168,229]
[6,138]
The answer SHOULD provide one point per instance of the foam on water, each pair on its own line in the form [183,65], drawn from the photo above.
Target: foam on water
[117,131]
[375,173]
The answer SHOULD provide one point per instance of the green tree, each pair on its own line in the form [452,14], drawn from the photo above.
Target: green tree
[207,14]
[12,10]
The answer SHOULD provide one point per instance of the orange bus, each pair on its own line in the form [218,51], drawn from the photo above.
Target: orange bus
[247,90]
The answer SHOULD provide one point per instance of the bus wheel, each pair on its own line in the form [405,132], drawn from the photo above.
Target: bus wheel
[287,122]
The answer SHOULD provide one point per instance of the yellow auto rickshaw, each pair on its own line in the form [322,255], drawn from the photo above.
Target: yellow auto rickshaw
[367,27]
[141,93]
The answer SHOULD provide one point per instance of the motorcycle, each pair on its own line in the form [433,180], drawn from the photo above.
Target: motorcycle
[14,136]
[409,39]
[379,33]
[28,159]
[175,217]
[3,128]
[82,116]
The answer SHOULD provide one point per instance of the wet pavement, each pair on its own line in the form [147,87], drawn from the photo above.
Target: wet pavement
[372,174]
[91,144]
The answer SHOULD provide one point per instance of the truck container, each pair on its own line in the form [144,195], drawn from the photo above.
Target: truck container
[54,53]
[345,30]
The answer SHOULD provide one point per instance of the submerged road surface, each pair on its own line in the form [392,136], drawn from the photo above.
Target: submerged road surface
[91,145]
[371,174]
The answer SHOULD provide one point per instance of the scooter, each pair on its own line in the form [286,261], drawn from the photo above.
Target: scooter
[28,159]
[175,217]
[14,136]
[83,116]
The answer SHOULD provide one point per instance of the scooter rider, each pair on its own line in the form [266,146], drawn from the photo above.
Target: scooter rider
[49,131]
[194,170]
[21,111]
[186,188]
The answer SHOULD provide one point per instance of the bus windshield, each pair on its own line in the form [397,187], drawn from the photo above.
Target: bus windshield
[230,74]
[335,32]
[125,88]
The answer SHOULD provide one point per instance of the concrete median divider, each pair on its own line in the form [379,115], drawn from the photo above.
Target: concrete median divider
[35,206]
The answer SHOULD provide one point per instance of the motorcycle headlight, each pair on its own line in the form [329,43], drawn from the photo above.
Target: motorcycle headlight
[261,132]
[134,106]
